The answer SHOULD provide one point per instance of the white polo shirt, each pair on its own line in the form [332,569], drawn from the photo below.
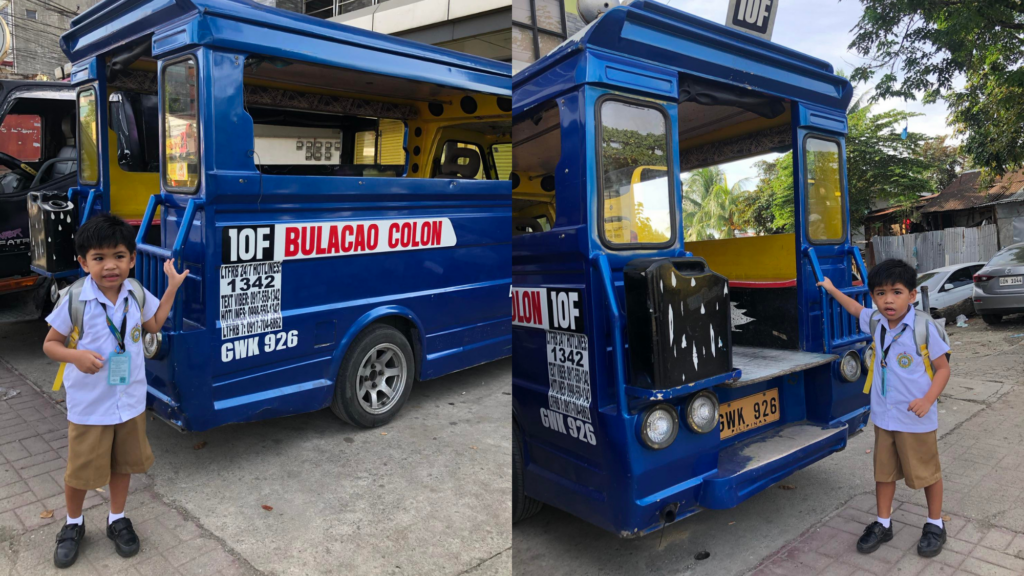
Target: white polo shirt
[906,379]
[90,399]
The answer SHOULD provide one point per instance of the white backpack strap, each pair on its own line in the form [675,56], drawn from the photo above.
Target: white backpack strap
[76,308]
[921,332]
[138,293]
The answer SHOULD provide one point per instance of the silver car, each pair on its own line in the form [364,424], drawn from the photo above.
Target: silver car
[999,286]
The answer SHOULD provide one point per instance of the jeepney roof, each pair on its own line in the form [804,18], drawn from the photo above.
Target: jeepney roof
[671,40]
[245,25]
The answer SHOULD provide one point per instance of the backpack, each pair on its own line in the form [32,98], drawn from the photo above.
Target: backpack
[76,310]
[922,336]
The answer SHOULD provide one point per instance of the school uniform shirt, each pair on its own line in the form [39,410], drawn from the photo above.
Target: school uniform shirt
[90,399]
[905,380]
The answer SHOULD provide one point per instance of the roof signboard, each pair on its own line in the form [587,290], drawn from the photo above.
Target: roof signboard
[755,17]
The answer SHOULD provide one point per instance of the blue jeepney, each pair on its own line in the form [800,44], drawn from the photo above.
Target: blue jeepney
[340,198]
[653,378]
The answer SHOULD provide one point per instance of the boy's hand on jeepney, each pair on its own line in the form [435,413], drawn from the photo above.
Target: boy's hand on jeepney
[88,362]
[827,284]
[920,407]
[173,278]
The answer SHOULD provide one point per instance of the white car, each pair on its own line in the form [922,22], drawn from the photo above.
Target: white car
[947,285]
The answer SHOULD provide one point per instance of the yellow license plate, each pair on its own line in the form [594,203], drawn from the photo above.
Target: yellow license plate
[749,413]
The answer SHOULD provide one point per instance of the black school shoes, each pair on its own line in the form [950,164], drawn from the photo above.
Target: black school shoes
[873,537]
[68,540]
[932,539]
[126,542]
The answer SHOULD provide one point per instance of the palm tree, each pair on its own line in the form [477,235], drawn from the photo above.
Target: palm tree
[709,205]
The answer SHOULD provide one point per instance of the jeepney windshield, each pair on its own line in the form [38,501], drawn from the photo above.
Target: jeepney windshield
[181,126]
[88,146]
[636,191]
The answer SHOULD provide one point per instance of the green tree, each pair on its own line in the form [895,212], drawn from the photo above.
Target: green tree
[927,46]
[754,208]
[946,161]
[781,189]
[710,205]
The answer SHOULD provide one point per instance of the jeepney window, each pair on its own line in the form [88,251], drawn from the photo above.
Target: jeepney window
[536,151]
[181,126]
[825,222]
[502,156]
[88,143]
[636,196]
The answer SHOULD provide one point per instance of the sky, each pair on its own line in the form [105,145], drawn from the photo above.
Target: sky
[821,28]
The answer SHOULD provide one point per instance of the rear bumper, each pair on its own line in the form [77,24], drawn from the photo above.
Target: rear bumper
[746,468]
[998,303]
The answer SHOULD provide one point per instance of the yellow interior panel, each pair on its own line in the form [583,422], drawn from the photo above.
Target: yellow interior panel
[736,130]
[753,259]
[129,191]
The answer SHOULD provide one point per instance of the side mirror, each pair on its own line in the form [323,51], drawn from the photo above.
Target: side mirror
[948,287]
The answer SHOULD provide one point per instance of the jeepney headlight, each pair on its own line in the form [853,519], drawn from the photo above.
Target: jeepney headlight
[849,366]
[659,427]
[151,344]
[702,413]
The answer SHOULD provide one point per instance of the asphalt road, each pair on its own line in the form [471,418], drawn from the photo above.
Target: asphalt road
[987,363]
[427,494]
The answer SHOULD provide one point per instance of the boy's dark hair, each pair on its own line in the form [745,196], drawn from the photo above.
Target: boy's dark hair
[104,231]
[892,272]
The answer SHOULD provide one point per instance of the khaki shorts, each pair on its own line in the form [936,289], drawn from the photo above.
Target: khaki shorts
[913,456]
[94,452]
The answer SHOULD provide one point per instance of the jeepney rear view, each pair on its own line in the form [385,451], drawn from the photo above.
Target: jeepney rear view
[655,376]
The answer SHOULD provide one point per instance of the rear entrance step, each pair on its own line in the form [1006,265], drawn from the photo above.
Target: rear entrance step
[747,467]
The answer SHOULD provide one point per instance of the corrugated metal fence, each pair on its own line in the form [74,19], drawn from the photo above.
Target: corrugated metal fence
[930,250]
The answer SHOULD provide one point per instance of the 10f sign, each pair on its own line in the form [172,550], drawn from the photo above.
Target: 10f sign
[755,17]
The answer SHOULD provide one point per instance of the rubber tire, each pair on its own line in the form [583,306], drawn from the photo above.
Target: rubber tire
[992,319]
[522,505]
[345,405]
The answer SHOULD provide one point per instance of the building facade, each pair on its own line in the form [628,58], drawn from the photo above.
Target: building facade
[36,27]
[539,26]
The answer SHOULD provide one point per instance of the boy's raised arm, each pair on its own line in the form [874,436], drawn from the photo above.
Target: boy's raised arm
[851,305]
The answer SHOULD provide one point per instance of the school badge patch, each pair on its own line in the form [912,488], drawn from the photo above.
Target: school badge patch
[905,360]
[136,334]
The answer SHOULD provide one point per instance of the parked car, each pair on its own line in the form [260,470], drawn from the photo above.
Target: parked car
[947,285]
[999,286]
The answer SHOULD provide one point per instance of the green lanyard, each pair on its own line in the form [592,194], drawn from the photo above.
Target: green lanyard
[885,353]
[118,334]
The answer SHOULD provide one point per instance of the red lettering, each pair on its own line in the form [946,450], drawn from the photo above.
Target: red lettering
[515,307]
[392,235]
[360,239]
[291,242]
[526,312]
[415,240]
[406,234]
[535,302]
[426,234]
[436,232]
[332,241]
[346,244]
[320,249]
[372,235]
[308,247]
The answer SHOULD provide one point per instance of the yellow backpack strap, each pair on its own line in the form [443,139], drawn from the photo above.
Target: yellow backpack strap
[927,361]
[71,345]
[76,311]
[871,369]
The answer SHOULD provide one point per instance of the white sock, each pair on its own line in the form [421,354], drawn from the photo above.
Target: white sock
[936,522]
[112,517]
[884,521]
[74,520]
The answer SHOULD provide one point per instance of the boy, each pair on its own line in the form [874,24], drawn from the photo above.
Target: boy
[105,378]
[902,402]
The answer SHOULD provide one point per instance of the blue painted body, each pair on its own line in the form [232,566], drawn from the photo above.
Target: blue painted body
[450,302]
[618,483]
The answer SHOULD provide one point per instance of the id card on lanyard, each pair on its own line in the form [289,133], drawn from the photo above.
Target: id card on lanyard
[885,354]
[119,362]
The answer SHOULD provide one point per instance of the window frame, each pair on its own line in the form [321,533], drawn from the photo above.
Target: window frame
[537,30]
[163,126]
[78,135]
[842,186]
[670,165]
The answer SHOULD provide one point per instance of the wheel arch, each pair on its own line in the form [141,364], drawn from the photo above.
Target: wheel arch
[398,317]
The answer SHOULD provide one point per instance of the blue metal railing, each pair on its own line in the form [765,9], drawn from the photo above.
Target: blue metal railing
[149,259]
[839,328]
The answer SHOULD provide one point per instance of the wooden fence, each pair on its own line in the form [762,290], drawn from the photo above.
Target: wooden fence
[929,250]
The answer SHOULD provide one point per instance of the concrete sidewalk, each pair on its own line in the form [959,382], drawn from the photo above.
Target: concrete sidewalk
[33,449]
[983,476]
